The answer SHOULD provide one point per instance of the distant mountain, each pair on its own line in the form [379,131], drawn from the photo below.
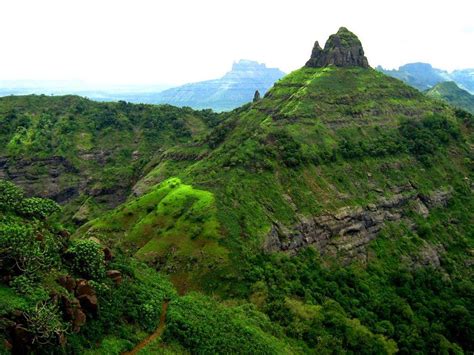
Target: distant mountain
[453,94]
[131,93]
[234,89]
[423,76]
[419,75]
[464,78]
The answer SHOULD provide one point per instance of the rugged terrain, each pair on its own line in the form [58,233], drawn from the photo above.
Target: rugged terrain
[334,214]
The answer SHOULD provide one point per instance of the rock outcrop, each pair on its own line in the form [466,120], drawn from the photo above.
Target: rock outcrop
[59,179]
[342,49]
[256,96]
[347,232]
[42,176]
[115,276]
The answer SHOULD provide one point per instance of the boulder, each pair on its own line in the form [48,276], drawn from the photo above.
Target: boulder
[73,312]
[115,276]
[108,255]
[86,296]
[68,282]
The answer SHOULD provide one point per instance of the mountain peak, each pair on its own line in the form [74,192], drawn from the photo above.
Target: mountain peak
[342,49]
[245,64]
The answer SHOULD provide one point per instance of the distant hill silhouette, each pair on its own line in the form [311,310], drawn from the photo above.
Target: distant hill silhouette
[423,76]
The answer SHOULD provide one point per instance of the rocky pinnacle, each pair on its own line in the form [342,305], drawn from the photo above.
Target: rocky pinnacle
[342,49]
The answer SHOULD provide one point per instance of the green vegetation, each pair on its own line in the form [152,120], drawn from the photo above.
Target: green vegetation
[87,259]
[86,153]
[203,326]
[452,94]
[35,252]
[375,176]
[173,226]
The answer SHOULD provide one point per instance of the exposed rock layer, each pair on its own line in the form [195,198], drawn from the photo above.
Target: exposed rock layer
[60,180]
[347,232]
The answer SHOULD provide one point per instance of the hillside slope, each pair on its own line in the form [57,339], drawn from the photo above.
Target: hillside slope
[452,94]
[338,165]
[333,215]
[84,154]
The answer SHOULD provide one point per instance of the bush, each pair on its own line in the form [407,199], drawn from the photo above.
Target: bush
[288,150]
[38,207]
[12,199]
[10,196]
[26,250]
[88,259]
[425,137]
[206,327]
[45,324]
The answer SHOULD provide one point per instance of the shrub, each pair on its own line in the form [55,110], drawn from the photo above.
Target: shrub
[88,259]
[26,250]
[45,324]
[38,207]
[10,196]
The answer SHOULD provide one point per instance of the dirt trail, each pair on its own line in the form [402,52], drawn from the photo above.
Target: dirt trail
[156,334]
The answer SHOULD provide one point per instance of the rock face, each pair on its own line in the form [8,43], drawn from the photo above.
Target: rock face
[342,49]
[59,179]
[42,176]
[347,232]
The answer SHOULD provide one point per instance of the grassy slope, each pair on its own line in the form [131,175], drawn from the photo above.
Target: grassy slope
[452,94]
[173,225]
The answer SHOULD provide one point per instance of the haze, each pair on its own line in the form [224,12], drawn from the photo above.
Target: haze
[173,42]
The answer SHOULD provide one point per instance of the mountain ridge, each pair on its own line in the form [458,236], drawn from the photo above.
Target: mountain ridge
[333,214]
[423,76]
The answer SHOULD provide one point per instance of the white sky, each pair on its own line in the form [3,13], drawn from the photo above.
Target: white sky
[178,41]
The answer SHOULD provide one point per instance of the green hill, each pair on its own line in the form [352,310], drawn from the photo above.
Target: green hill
[452,94]
[333,215]
[340,160]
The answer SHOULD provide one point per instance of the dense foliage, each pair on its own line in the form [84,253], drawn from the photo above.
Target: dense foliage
[87,259]
[34,254]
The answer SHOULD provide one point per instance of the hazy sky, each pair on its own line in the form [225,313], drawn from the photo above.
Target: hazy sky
[177,41]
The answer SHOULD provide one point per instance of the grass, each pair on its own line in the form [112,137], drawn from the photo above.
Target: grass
[173,226]
[10,300]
